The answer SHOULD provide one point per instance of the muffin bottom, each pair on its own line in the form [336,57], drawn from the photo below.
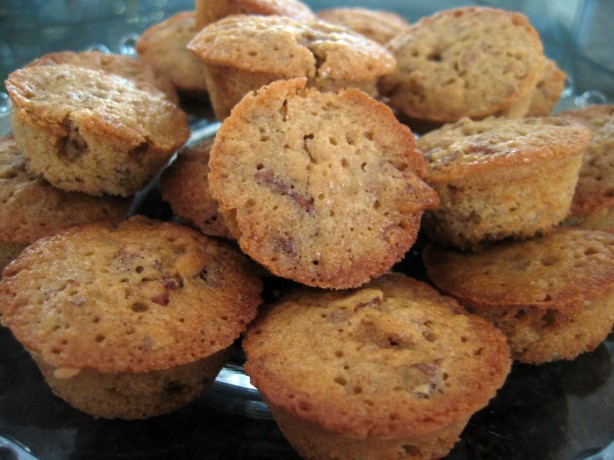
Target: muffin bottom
[314,442]
[133,396]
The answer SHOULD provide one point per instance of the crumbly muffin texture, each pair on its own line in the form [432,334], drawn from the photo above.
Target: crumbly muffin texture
[499,177]
[380,371]
[552,296]
[322,188]
[91,131]
[31,208]
[464,62]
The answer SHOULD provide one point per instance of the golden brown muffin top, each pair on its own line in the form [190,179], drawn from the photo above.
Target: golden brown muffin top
[561,270]
[124,66]
[31,208]
[464,62]
[391,359]
[323,188]
[141,296]
[112,107]
[467,147]
[208,11]
[378,25]
[277,44]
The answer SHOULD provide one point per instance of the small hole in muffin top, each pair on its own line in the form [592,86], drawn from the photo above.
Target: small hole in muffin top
[340,380]
[139,269]
[100,338]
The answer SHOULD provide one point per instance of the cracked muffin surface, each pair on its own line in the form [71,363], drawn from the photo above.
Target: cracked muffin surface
[242,53]
[91,131]
[322,188]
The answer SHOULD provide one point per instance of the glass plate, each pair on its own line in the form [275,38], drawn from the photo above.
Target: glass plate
[562,410]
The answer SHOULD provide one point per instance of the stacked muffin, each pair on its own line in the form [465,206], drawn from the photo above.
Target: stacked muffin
[125,318]
[313,177]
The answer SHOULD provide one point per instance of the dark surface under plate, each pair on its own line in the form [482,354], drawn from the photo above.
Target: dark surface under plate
[560,411]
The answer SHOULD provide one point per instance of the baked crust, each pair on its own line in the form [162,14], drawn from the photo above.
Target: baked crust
[139,297]
[322,188]
[390,364]
[464,62]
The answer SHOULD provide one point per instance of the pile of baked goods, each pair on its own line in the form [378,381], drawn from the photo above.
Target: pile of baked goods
[346,137]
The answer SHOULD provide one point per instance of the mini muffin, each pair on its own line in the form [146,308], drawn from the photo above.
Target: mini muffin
[389,370]
[242,53]
[117,64]
[130,321]
[209,11]
[379,25]
[464,62]
[593,203]
[90,131]
[185,186]
[499,177]
[322,188]
[553,296]
[548,90]
[31,208]
[164,47]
